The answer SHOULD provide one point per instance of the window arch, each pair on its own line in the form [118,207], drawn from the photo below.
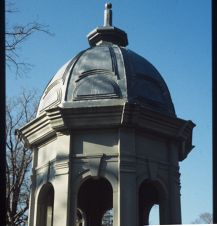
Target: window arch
[45,206]
[151,193]
[95,197]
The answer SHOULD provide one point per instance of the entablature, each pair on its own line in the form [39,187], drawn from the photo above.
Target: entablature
[63,120]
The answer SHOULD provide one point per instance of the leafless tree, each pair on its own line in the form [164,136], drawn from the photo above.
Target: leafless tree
[204,218]
[19,111]
[16,34]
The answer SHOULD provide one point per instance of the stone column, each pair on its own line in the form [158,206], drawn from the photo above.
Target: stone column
[128,199]
[174,186]
[61,193]
[116,206]
[33,188]
[127,178]
[164,211]
[60,217]
[73,207]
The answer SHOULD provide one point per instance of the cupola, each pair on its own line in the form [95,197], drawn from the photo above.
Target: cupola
[107,73]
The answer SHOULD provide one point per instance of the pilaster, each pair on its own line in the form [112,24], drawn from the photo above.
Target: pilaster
[127,178]
[61,197]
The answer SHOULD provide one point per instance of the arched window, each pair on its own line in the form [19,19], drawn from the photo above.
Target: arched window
[45,206]
[95,198]
[151,199]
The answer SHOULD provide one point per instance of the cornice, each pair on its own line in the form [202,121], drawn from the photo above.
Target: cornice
[36,131]
[56,120]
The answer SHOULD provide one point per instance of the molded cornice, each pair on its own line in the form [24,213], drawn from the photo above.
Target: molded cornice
[64,120]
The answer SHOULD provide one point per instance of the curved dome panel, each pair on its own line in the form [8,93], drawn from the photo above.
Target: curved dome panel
[145,84]
[108,71]
[95,87]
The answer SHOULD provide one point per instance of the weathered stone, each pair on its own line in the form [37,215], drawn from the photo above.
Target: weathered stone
[106,136]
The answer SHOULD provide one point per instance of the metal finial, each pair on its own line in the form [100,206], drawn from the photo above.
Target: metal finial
[107,33]
[108,15]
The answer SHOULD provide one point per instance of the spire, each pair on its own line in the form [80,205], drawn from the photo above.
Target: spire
[108,15]
[107,33]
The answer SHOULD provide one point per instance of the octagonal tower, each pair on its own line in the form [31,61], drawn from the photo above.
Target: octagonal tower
[106,137]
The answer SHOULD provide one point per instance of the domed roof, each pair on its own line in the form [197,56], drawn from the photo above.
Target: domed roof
[107,72]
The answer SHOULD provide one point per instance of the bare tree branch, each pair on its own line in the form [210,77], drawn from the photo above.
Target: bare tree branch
[204,218]
[19,111]
[16,35]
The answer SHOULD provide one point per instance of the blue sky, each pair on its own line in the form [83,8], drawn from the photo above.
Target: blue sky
[174,35]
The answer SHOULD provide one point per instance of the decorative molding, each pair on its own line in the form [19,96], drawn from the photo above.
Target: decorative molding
[55,164]
[143,159]
[51,86]
[101,72]
[102,165]
[36,131]
[89,156]
[97,165]
[61,168]
[114,62]
[127,163]
[152,169]
[129,115]
[51,98]
[48,172]
[95,84]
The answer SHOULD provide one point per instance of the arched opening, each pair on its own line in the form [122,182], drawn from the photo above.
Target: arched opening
[45,206]
[154,215]
[95,197]
[150,195]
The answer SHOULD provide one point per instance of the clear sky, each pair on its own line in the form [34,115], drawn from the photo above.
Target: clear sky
[174,35]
